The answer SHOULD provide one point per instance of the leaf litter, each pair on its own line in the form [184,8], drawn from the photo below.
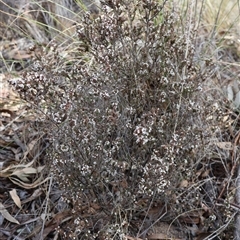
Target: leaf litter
[22,173]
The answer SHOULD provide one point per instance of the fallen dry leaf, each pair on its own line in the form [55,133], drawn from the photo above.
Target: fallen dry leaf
[131,238]
[31,146]
[7,215]
[25,173]
[161,236]
[37,193]
[164,231]
[225,145]
[15,198]
[20,174]
[184,184]
[51,225]
[35,184]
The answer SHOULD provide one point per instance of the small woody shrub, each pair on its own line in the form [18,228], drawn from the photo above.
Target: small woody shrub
[121,119]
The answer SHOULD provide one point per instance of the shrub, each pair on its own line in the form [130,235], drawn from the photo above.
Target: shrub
[121,119]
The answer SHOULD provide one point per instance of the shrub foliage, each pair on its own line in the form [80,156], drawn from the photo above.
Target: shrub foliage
[121,118]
